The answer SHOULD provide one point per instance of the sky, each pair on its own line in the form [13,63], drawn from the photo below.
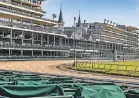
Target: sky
[124,12]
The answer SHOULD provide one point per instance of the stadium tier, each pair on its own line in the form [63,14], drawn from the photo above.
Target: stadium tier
[25,33]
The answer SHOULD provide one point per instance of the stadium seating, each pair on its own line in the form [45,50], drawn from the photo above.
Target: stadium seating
[30,85]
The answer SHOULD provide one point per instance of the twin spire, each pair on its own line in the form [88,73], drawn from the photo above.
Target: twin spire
[60,20]
[79,21]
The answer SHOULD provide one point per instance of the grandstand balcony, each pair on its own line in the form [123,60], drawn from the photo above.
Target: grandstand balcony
[24,25]
[17,15]
[22,6]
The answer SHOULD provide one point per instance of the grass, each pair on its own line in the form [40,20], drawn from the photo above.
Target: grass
[118,68]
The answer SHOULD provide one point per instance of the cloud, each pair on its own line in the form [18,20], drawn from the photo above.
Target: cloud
[135,10]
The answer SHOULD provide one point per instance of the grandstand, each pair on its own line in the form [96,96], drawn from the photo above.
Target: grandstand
[25,34]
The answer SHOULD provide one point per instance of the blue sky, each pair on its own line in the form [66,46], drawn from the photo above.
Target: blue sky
[120,11]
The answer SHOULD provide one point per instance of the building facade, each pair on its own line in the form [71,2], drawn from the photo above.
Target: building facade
[102,39]
[25,33]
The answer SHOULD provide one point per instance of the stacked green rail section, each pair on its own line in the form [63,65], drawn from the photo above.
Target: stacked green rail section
[30,85]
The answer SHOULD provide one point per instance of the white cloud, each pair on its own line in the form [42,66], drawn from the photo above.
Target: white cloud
[135,10]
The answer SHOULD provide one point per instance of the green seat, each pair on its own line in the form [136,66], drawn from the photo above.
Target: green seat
[100,91]
[18,91]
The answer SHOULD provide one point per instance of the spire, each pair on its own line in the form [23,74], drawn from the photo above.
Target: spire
[60,20]
[79,21]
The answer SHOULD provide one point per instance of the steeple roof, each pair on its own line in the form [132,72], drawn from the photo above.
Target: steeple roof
[60,20]
[79,21]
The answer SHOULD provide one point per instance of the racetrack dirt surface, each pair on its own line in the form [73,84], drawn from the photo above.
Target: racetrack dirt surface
[49,67]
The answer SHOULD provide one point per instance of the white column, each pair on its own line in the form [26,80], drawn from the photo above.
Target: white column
[2,33]
[106,46]
[22,52]
[115,55]
[94,45]
[32,53]
[9,52]
[11,36]
[51,53]
[112,46]
[22,37]
[115,47]
[65,42]
[102,45]
[32,38]
[41,39]
[48,40]
[75,43]
[42,52]
[109,46]
[54,40]
[68,42]
[90,45]
[60,42]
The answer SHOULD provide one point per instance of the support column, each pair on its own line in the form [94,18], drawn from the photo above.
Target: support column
[21,52]
[21,22]
[60,42]
[11,37]
[3,36]
[115,47]
[56,53]
[54,40]
[90,45]
[115,56]
[112,46]
[68,42]
[41,39]
[51,53]
[94,45]
[81,44]
[102,46]
[22,37]
[76,43]
[32,38]
[106,46]
[2,33]
[109,46]
[32,53]
[9,52]
[65,42]
[42,52]
[31,25]
[48,40]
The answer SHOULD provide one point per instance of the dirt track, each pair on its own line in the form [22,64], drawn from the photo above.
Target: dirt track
[49,67]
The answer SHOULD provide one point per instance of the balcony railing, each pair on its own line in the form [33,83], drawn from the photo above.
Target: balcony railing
[25,14]
[35,46]
[24,6]
[19,12]
[24,26]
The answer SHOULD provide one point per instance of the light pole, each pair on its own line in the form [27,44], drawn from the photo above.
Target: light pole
[74,43]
